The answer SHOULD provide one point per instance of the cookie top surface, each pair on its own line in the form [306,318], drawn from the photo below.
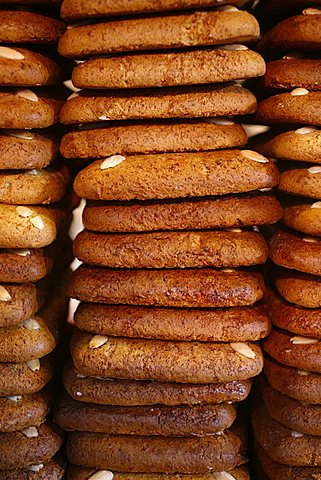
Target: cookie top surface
[299,106]
[153,138]
[304,182]
[225,212]
[301,145]
[74,10]
[134,392]
[147,177]
[230,324]
[173,288]
[205,28]
[188,102]
[299,288]
[28,27]
[166,361]
[289,73]
[222,64]
[304,218]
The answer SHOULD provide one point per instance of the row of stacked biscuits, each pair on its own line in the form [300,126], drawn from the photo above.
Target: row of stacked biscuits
[34,223]
[165,338]
[287,423]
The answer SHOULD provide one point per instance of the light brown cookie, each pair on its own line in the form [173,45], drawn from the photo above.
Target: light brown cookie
[289,73]
[301,145]
[153,138]
[29,27]
[133,392]
[304,218]
[154,454]
[299,288]
[171,288]
[24,68]
[21,150]
[24,265]
[149,177]
[220,325]
[52,469]
[304,182]
[186,362]
[299,106]
[169,69]
[23,108]
[188,102]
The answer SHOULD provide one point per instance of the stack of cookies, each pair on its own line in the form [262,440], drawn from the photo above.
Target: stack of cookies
[287,428]
[164,344]
[33,230]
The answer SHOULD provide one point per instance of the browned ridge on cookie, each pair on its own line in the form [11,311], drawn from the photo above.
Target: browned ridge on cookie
[291,73]
[148,177]
[169,69]
[165,361]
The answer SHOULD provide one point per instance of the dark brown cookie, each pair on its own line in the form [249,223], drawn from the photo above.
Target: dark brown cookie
[304,218]
[222,64]
[24,265]
[299,288]
[291,73]
[304,182]
[170,288]
[188,102]
[52,469]
[153,138]
[149,177]
[132,392]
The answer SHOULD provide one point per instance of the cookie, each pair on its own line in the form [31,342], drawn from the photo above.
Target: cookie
[301,145]
[25,378]
[26,150]
[82,473]
[182,421]
[304,218]
[24,265]
[24,68]
[168,288]
[188,102]
[28,447]
[223,325]
[153,138]
[301,321]
[34,187]
[284,445]
[20,26]
[293,350]
[295,33]
[225,212]
[298,384]
[185,362]
[22,411]
[154,454]
[130,392]
[223,64]
[302,181]
[171,249]
[299,106]
[289,73]
[71,10]
[52,469]
[296,252]
[24,227]
[291,413]
[194,29]
[299,288]
[149,177]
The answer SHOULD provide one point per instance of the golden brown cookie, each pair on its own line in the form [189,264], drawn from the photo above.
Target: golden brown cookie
[299,288]
[304,218]
[24,265]
[304,182]
[289,73]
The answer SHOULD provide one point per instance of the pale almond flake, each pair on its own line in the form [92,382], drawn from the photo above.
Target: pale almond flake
[68,84]
[251,155]
[28,95]
[15,398]
[256,229]
[227,8]
[303,340]
[73,95]
[79,394]
[32,172]
[292,55]
[104,117]
[24,212]
[310,240]
[102,475]
[233,46]
[30,432]
[243,349]
[34,365]
[316,205]
[299,91]
[98,341]
[10,54]
[31,324]
[19,134]
[22,252]
[295,434]
[221,121]
[35,468]
[312,11]
[112,162]
[4,294]
[305,130]
[223,476]
[37,222]
[314,170]
[303,373]
[269,189]
[227,270]
[234,230]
